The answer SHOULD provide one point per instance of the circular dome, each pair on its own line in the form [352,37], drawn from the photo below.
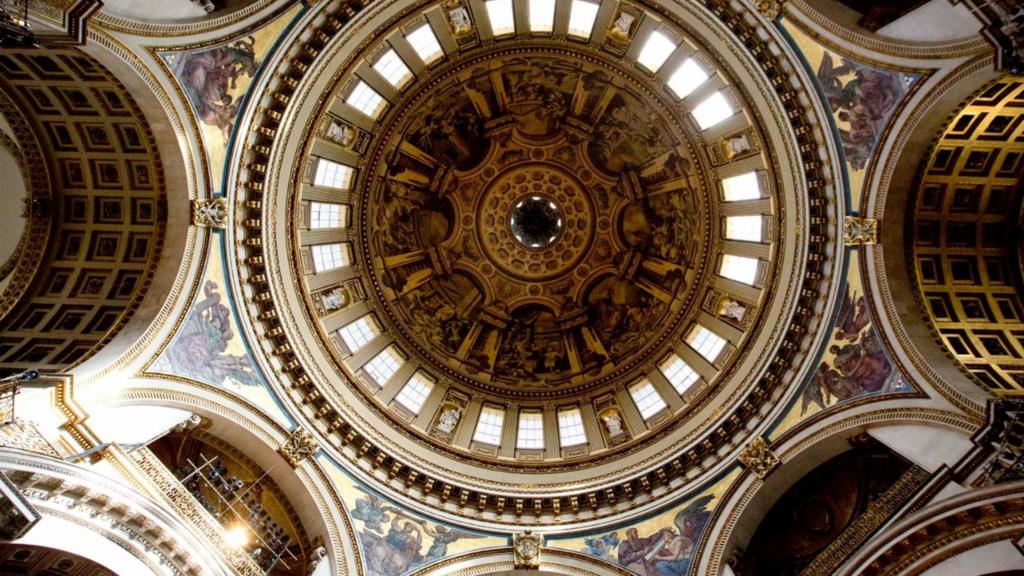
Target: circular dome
[534,252]
[529,247]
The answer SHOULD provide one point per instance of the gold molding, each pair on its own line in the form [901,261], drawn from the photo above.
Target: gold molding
[759,458]
[210,212]
[299,446]
[859,231]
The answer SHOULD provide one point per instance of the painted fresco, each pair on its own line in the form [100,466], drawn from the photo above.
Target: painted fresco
[209,347]
[855,363]
[216,80]
[862,99]
[395,541]
[664,545]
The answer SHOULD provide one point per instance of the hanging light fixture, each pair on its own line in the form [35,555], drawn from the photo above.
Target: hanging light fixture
[15,30]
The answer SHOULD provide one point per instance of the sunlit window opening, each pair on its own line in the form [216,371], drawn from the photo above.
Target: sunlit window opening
[366,100]
[500,13]
[745,228]
[531,431]
[393,69]
[706,343]
[329,256]
[679,374]
[581,18]
[742,187]
[646,398]
[542,15]
[358,333]
[384,365]
[415,393]
[425,44]
[712,111]
[570,428]
[687,78]
[739,268]
[656,50]
[488,427]
[325,215]
[330,174]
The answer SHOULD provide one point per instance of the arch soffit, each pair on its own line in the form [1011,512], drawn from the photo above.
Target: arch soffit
[184,250]
[855,40]
[886,194]
[226,24]
[247,429]
[99,503]
[942,530]
[800,453]
[500,561]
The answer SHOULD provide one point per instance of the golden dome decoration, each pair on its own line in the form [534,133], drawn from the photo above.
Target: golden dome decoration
[533,246]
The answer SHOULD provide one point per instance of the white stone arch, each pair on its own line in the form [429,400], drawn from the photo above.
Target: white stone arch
[72,498]
[248,429]
[888,190]
[938,539]
[501,562]
[750,498]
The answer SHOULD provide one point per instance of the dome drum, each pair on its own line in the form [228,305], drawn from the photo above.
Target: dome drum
[649,309]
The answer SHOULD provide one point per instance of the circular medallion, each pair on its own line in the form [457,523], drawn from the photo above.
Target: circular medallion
[549,221]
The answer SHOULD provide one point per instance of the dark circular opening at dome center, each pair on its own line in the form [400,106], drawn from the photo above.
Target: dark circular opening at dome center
[536,221]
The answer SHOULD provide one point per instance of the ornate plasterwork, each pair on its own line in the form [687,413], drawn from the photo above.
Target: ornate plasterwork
[759,458]
[31,249]
[217,404]
[299,446]
[152,533]
[210,212]
[940,532]
[526,548]
[174,493]
[859,231]
[770,9]
[348,431]
[17,516]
